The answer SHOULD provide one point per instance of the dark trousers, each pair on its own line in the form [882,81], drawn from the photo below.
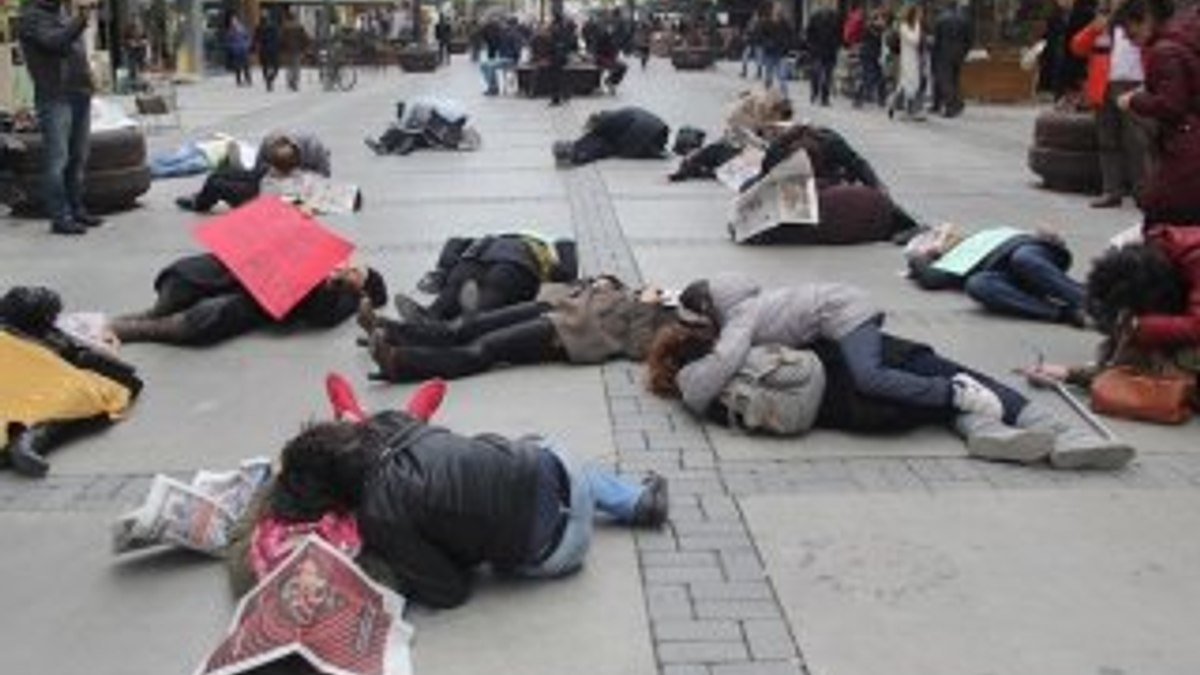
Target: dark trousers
[1123,144]
[208,316]
[270,69]
[948,86]
[929,364]
[66,129]
[465,329]
[863,351]
[557,74]
[240,65]
[232,186]
[821,85]
[1029,283]
[498,284]
[871,84]
[527,342]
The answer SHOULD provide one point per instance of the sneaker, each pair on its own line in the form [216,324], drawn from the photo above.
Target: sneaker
[69,228]
[187,203]
[374,145]
[409,310]
[88,220]
[342,399]
[971,396]
[651,508]
[432,282]
[426,399]
[1101,455]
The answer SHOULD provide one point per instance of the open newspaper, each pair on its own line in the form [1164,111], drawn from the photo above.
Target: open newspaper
[785,196]
[321,194]
[319,606]
[199,515]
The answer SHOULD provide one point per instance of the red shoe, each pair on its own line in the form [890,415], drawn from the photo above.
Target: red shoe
[426,400]
[342,399]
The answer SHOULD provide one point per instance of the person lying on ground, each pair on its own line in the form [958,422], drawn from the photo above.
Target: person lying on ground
[588,322]
[1008,271]
[436,505]
[280,155]
[200,302]
[477,274]
[828,399]
[797,316]
[53,387]
[426,122]
[1145,300]
[630,133]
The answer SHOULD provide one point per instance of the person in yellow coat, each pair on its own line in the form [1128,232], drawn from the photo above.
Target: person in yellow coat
[52,385]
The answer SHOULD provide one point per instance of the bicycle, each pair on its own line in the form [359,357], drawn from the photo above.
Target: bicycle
[333,72]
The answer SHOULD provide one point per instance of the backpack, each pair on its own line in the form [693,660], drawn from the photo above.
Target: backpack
[777,391]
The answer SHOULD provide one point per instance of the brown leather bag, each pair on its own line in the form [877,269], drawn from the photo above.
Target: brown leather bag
[1164,395]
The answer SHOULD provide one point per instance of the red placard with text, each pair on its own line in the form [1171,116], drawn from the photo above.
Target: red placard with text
[277,251]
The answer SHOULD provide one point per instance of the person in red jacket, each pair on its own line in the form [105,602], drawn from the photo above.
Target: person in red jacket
[1114,69]
[1172,99]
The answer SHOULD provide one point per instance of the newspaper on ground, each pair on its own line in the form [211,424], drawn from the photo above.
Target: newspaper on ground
[785,196]
[317,605]
[744,166]
[315,191]
[198,515]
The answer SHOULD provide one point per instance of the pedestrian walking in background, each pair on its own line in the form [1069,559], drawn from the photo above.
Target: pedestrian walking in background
[267,41]
[563,41]
[824,36]
[55,54]
[237,51]
[951,42]
[293,41]
[752,35]
[1171,99]
[776,41]
[641,43]
[872,85]
[907,94]
[136,51]
[442,32]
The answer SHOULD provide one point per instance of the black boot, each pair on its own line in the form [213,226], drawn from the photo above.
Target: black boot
[411,311]
[25,451]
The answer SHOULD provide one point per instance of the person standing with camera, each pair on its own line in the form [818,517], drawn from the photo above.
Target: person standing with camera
[52,40]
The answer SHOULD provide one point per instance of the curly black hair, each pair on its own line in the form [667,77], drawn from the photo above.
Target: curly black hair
[1133,279]
[324,468]
[30,309]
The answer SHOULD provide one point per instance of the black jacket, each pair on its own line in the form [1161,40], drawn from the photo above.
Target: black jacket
[824,34]
[511,248]
[439,504]
[951,36]
[632,132]
[834,161]
[52,43]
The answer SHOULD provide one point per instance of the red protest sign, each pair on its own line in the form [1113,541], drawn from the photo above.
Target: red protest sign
[275,250]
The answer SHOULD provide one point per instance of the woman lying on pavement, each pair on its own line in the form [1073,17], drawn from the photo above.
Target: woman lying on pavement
[1006,270]
[590,321]
[1034,434]
[434,505]
[280,155]
[1145,300]
[631,133]
[200,302]
[478,274]
[53,386]
[746,315]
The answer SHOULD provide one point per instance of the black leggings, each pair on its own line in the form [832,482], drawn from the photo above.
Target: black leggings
[462,331]
[232,186]
[527,342]
[500,284]
[207,318]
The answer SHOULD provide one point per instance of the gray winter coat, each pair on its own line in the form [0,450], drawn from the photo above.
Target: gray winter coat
[52,42]
[793,316]
[314,156]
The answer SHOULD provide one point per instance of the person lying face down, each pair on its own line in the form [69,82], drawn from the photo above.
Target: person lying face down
[279,156]
[200,302]
[1034,435]
[630,132]
[1005,270]
[435,505]
[587,322]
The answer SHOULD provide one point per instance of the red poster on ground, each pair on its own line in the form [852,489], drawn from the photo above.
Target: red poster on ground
[277,251]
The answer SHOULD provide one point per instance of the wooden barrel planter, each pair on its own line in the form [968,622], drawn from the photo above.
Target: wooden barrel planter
[997,79]
[418,60]
[691,58]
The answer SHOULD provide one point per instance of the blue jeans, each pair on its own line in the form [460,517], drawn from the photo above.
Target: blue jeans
[592,489]
[752,53]
[862,349]
[929,363]
[188,160]
[1029,283]
[66,125]
[491,69]
[773,71]
[871,86]
[822,80]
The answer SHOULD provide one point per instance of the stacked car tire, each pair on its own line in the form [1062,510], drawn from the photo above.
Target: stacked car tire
[692,58]
[116,172]
[1065,151]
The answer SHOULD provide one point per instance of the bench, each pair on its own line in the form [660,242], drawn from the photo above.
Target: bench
[534,81]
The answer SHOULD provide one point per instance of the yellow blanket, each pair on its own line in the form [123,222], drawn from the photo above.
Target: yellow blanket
[38,386]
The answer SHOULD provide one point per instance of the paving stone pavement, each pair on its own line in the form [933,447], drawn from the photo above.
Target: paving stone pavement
[711,604]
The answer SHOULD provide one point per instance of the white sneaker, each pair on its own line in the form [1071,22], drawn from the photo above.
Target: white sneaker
[971,396]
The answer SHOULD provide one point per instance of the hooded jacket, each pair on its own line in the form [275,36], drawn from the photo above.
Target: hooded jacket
[1182,246]
[793,316]
[438,504]
[1172,98]
[52,43]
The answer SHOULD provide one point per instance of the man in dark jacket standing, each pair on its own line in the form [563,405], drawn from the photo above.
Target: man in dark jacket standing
[435,504]
[52,42]
[268,42]
[824,36]
[951,42]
